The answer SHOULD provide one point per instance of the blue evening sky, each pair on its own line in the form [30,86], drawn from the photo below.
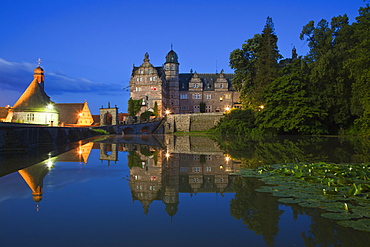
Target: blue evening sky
[88,47]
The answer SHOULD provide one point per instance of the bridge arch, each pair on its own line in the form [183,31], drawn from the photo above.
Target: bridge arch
[107,119]
[128,131]
[146,129]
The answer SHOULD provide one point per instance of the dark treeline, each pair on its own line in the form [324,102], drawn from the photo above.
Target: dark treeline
[325,92]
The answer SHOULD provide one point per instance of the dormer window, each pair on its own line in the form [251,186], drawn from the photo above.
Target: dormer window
[195,85]
[221,85]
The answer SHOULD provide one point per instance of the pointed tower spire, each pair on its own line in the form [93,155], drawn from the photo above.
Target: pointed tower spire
[38,74]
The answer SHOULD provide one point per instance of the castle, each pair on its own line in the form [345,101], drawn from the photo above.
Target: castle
[180,93]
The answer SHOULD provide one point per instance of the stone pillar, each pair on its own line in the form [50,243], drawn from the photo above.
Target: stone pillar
[112,111]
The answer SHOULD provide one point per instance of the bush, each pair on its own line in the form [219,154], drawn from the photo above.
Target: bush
[146,115]
[236,122]
[99,132]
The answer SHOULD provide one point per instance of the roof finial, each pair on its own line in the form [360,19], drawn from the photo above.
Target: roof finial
[171,47]
[38,61]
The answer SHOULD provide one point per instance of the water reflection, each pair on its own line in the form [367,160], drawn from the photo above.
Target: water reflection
[162,169]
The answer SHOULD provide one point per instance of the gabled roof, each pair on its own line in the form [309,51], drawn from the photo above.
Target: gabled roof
[34,98]
[208,80]
[122,115]
[3,112]
[68,112]
[96,118]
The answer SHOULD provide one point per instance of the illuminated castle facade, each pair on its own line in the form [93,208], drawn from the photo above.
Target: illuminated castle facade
[178,92]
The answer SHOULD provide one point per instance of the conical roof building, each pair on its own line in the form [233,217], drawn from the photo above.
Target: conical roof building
[34,106]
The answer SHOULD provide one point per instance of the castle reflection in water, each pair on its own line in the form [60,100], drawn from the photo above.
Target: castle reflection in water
[161,167]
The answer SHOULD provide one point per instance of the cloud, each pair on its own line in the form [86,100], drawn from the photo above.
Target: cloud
[17,76]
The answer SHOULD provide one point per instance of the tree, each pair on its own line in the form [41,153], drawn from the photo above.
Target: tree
[155,109]
[146,115]
[256,65]
[358,64]
[288,107]
[267,60]
[330,86]
[243,62]
[133,106]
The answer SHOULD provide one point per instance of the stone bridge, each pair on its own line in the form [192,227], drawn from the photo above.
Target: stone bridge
[154,127]
[170,124]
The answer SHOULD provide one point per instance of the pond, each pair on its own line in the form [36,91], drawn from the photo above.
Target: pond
[166,190]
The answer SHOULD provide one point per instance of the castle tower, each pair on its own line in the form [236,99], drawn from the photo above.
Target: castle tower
[294,54]
[146,85]
[171,70]
[38,74]
[34,177]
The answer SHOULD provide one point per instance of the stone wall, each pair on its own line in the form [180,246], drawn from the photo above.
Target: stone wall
[186,144]
[191,122]
[22,137]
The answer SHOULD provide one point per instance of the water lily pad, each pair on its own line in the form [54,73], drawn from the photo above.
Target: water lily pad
[289,200]
[361,225]
[337,216]
[266,189]
[362,211]
[336,206]
[281,194]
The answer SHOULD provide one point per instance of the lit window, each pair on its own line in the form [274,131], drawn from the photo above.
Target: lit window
[183,96]
[30,117]
[183,169]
